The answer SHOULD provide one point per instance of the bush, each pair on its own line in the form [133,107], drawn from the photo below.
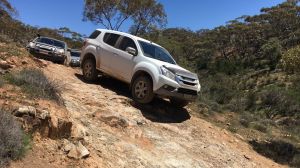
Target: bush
[275,102]
[36,84]
[291,60]
[272,52]
[12,145]
[278,150]
[259,127]
[1,81]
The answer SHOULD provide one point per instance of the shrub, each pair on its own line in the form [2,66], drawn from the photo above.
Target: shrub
[277,103]
[12,145]
[36,84]
[260,127]
[291,60]
[278,150]
[272,52]
[1,81]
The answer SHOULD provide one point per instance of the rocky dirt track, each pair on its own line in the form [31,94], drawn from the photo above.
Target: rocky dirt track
[120,133]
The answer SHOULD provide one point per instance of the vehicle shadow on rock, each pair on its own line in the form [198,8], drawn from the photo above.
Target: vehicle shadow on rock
[160,110]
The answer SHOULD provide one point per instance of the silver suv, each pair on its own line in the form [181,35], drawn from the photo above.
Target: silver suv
[148,68]
[50,48]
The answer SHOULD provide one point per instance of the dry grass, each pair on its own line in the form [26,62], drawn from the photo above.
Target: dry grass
[35,84]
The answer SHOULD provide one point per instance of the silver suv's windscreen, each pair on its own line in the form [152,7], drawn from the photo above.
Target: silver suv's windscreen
[75,54]
[156,52]
[55,43]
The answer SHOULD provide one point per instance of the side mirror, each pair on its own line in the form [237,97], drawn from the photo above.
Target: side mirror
[131,51]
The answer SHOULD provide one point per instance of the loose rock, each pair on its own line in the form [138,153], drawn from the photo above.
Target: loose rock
[25,110]
[78,151]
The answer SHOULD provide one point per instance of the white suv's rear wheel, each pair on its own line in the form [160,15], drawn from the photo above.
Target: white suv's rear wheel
[89,70]
[141,90]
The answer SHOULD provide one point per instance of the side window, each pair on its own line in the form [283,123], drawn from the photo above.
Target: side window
[95,34]
[111,39]
[127,42]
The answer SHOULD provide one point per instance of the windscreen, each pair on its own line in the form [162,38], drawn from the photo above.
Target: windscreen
[156,52]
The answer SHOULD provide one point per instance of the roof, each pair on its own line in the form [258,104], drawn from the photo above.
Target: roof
[127,34]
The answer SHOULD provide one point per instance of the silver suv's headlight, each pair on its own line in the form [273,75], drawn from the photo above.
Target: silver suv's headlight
[61,51]
[31,45]
[167,73]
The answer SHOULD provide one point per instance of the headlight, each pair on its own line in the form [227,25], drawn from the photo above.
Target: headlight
[61,51]
[167,73]
[31,45]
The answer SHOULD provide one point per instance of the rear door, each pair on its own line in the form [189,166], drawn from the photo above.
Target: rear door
[108,52]
[125,61]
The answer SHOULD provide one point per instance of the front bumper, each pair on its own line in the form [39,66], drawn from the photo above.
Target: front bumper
[75,63]
[168,88]
[47,55]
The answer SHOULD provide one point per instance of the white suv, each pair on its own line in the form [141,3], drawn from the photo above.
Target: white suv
[147,67]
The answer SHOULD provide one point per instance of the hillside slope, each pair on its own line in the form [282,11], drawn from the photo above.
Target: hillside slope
[119,133]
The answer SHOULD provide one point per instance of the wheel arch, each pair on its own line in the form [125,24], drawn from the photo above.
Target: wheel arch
[88,56]
[139,73]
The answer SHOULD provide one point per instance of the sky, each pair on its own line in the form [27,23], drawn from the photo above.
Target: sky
[191,14]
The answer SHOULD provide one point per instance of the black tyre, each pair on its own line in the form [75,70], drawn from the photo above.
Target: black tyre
[178,102]
[89,70]
[142,90]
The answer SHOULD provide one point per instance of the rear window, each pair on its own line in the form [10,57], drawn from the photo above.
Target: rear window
[111,38]
[95,34]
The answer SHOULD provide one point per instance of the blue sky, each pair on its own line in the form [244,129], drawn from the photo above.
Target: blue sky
[192,14]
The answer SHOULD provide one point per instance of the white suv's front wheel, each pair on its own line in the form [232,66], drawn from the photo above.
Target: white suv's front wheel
[141,90]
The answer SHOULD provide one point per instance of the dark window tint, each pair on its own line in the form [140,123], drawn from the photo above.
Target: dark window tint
[56,43]
[111,39]
[75,54]
[95,34]
[127,42]
[45,40]
[156,52]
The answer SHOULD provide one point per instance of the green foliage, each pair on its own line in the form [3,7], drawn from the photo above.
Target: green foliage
[2,82]
[12,30]
[35,84]
[272,51]
[278,150]
[259,126]
[291,60]
[7,7]
[13,142]
[276,102]
[112,14]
